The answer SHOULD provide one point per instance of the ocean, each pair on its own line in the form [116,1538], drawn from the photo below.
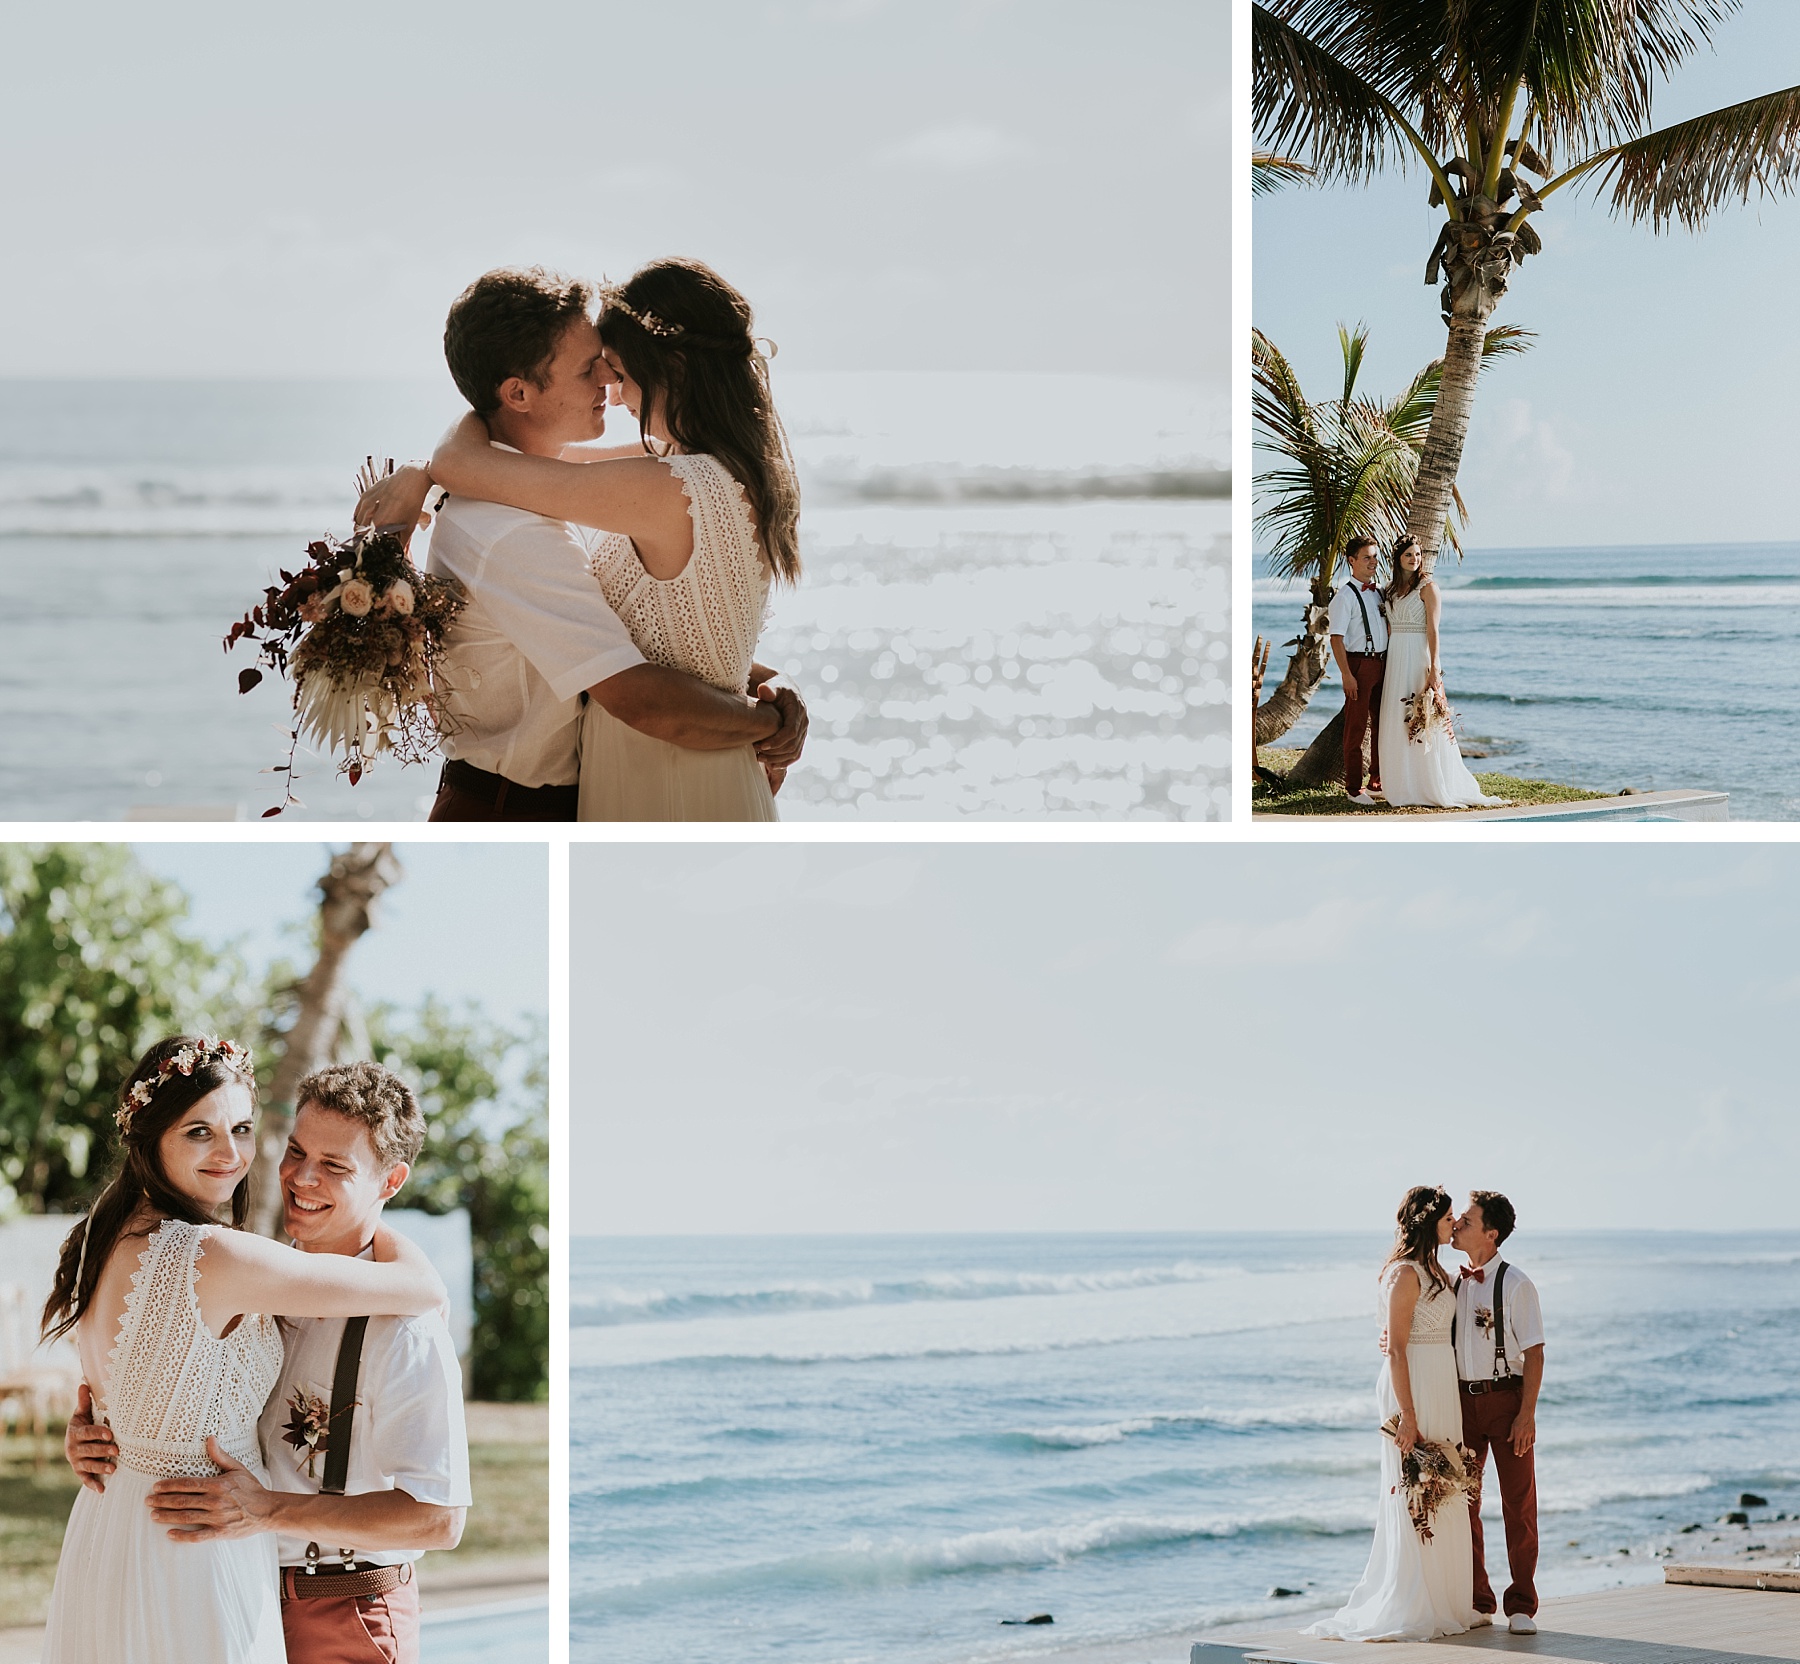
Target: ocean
[825,1450]
[1662,667]
[1016,600]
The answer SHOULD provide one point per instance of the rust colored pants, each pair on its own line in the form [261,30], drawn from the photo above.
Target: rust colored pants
[1487,1425]
[1363,715]
[383,1629]
[466,793]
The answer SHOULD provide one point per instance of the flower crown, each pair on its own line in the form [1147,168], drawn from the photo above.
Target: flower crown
[612,298]
[195,1055]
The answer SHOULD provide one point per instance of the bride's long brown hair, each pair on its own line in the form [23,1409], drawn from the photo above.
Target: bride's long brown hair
[140,1179]
[1398,584]
[685,337]
[1415,1231]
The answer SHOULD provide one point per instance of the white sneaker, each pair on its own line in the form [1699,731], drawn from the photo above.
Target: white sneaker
[1481,1620]
[1522,1623]
[1363,801]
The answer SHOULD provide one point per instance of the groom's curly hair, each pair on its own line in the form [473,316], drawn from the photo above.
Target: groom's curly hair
[1496,1212]
[376,1097]
[507,323]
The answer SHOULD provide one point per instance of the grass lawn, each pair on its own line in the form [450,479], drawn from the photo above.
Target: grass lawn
[1330,800]
[33,1510]
[509,1469]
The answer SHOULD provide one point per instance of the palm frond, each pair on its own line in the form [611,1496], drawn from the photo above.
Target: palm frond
[1348,466]
[1269,172]
[1303,98]
[1588,68]
[1685,171]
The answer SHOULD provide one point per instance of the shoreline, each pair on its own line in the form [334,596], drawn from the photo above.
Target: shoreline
[1770,1545]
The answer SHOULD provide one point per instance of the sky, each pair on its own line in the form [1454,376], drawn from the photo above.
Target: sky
[209,189]
[810,1038]
[1656,405]
[467,922]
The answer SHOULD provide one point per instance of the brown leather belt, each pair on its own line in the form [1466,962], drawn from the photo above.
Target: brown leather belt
[342,1582]
[1504,1383]
[503,795]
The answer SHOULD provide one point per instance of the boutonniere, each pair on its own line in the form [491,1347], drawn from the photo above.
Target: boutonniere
[1484,1318]
[308,1428]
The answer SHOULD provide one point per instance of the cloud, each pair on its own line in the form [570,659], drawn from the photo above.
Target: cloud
[1328,928]
[958,147]
[883,883]
[1518,452]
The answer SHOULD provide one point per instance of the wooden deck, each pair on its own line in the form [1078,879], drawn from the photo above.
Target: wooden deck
[1670,1623]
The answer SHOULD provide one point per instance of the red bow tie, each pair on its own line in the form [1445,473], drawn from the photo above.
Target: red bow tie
[1473,1273]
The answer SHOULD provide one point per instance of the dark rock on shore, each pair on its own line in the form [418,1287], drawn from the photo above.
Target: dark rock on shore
[1749,1499]
[1279,1593]
[1035,1618]
[1735,1517]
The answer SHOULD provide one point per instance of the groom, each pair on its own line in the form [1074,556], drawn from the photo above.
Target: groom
[1499,1337]
[537,638]
[353,1521]
[1357,620]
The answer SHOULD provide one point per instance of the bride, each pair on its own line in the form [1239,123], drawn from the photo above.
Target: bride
[1428,770]
[698,520]
[169,1308]
[1415,1588]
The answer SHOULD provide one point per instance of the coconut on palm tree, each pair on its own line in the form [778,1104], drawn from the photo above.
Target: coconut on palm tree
[1483,93]
[1347,467]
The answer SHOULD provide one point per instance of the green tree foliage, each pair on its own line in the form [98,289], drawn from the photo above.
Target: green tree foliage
[488,1150]
[94,965]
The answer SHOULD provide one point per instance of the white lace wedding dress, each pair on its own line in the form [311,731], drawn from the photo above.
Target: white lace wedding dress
[1428,770]
[705,622]
[125,1592]
[1414,1590]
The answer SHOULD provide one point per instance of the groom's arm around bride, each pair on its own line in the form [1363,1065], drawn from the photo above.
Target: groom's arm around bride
[387,1391]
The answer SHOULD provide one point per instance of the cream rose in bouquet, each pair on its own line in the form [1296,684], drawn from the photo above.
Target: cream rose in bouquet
[360,631]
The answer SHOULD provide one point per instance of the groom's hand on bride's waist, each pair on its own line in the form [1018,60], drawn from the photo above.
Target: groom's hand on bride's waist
[783,747]
[231,1504]
[88,1445]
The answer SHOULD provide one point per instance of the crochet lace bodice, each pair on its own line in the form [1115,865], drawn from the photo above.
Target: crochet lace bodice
[1435,1312]
[1407,612]
[705,621]
[170,1382]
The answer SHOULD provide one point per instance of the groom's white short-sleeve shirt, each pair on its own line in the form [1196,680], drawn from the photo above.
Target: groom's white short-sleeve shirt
[407,1433]
[537,631]
[1344,618]
[1475,1359]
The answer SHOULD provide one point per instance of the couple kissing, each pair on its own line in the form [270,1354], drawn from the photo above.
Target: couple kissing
[604,665]
[1464,1360]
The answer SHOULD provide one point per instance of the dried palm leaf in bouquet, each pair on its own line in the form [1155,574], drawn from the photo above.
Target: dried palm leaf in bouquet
[1432,1474]
[360,631]
[1425,710]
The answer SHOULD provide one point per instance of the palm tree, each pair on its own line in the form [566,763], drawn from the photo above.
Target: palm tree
[1348,469]
[348,892]
[1483,92]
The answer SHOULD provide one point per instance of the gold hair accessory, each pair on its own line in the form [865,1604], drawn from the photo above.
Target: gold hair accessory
[195,1055]
[613,296]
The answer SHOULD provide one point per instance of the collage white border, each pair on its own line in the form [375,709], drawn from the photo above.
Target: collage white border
[1236,831]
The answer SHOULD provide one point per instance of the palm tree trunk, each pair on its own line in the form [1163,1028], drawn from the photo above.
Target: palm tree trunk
[1306,670]
[1323,764]
[350,890]
[1442,456]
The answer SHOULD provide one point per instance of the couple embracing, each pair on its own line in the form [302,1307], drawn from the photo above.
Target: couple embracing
[604,666]
[258,1488]
[1464,1362]
[1385,642]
